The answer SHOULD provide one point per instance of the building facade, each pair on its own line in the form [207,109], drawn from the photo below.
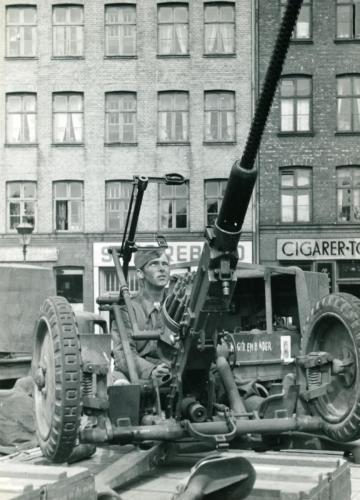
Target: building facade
[95,93]
[309,188]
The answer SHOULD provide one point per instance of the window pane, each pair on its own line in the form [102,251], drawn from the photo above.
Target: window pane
[287,115]
[287,88]
[29,190]
[75,102]
[344,86]
[75,189]
[303,115]
[59,15]
[344,21]
[211,13]
[211,188]
[60,189]
[344,114]
[180,14]
[165,15]
[303,178]
[303,86]
[14,190]
[303,213]
[76,15]
[29,15]
[287,180]
[287,208]
[14,103]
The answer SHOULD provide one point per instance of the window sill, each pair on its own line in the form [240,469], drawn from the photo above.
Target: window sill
[302,41]
[67,144]
[295,134]
[346,40]
[121,57]
[173,56]
[21,145]
[175,230]
[68,58]
[21,58]
[219,143]
[173,143]
[120,144]
[68,231]
[348,133]
[225,55]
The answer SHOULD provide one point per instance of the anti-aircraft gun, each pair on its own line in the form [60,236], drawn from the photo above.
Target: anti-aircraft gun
[253,350]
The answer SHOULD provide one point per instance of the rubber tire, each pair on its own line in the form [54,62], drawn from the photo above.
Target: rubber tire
[343,308]
[56,326]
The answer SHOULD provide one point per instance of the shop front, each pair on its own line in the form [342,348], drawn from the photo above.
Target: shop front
[184,256]
[339,258]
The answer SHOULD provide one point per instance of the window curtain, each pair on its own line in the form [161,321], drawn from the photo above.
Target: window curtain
[165,126]
[181,38]
[181,126]
[344,114]
[303,115]
[226,38]
[210,38]
[61,215]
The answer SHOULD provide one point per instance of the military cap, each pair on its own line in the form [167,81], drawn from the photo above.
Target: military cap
[142,257]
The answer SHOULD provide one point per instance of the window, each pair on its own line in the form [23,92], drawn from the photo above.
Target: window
[173,29]
[118,195]
[68,199]
[348,103]
[120,117]
[173,116]
[295,195]
[68,118]
[21,31]
[219,28]
[20,118]
[21,203]
[174,206]
[348,194]
[69,284]
[120,30]
[219,116]
[303,28]
[68,31]
[347,19]
[109,281]
[295,104]
[214,193]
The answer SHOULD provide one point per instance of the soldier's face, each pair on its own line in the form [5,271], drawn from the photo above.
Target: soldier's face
[157,271]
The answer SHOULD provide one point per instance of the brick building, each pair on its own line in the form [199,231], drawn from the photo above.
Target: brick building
[95,92]
[309,189]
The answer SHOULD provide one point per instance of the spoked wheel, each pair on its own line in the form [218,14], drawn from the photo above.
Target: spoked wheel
[334,327]
[56,373]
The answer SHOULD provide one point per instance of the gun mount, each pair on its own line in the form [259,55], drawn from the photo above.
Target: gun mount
[258,350]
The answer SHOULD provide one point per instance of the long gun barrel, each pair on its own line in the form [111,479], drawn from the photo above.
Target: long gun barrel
[243,173]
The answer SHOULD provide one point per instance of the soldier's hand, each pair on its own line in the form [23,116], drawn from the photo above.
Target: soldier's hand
[160,371]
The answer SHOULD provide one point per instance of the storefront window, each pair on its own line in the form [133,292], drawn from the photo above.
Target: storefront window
[69,284]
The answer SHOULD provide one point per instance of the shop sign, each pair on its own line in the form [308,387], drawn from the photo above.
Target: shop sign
[318,249]
[179,252]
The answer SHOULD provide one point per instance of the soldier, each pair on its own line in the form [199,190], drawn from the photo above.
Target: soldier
[153,271]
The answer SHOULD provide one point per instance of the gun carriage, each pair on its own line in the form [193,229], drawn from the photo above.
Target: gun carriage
[254,351]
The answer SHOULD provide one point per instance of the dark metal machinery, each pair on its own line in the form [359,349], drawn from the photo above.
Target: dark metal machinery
[254,351]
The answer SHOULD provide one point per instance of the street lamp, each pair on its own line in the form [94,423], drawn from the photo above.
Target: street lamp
[24,230]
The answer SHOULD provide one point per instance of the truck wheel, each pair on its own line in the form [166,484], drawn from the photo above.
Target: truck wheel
[334,327]
[56,373]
